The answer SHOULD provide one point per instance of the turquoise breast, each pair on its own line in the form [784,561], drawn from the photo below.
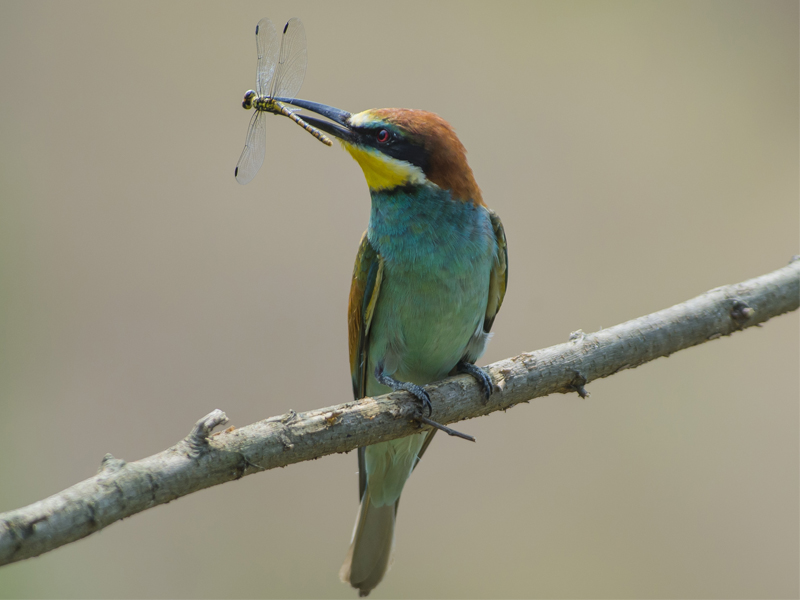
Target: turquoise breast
[438,254]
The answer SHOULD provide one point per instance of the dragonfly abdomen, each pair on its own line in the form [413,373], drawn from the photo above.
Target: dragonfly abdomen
[312,130]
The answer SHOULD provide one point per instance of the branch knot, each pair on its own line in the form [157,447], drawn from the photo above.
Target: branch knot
[197,440]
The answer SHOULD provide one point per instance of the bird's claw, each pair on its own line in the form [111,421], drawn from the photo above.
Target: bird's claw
[426,401]
[412,388]
[419,393]
[480,375]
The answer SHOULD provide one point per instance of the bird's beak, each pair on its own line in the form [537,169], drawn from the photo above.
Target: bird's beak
[339,124]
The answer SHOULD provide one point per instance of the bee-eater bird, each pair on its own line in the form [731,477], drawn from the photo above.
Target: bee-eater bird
[429,278]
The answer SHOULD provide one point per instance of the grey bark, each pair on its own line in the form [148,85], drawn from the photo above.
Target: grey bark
[202,460]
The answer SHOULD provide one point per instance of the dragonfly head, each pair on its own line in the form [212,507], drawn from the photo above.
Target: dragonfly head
[249,96]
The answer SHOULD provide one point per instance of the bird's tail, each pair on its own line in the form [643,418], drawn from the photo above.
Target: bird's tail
[371,548]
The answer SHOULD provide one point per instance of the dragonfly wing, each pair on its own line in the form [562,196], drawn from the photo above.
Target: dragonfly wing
[255,148]
[292,61]
[267,44]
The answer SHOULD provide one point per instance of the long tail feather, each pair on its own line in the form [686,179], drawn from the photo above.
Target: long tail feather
[371,547]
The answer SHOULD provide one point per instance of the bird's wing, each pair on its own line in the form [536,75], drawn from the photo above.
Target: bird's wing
[499,275]
[364,289]
[367,275]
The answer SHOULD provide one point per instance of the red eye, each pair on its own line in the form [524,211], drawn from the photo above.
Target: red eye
[383,136]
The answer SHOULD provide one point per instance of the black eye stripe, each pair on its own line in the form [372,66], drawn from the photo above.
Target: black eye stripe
[396,145]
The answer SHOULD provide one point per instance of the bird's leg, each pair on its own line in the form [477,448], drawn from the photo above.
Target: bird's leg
[483,378]
[412,388]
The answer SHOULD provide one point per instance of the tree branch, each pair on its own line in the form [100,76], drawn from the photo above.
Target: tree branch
[203,460]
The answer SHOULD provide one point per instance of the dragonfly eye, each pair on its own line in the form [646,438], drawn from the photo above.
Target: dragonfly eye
[383,136]
[248,99]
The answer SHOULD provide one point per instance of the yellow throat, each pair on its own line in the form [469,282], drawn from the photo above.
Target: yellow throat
[383,172]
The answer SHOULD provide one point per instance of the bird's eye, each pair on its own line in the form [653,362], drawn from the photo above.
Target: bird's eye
[383,136]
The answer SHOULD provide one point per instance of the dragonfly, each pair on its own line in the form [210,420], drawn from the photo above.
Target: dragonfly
[281,69]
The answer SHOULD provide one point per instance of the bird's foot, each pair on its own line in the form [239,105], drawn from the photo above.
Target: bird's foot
[483,378]
[412,388]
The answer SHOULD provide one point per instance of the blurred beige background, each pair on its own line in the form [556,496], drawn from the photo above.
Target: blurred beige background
[639,155]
